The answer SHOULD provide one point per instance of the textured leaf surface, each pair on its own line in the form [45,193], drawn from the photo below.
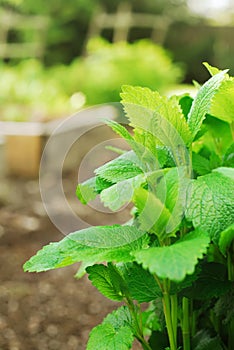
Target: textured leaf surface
[202,102]
[115,332]
[107,280]
[121,168]
[211,202]
[156,114]
[91,245]
[140,283]
[175,261]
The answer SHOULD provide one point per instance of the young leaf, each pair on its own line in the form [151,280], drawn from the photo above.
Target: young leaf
[121,193]
[107,280]
[157,115]
[176,261]
[202,102]
[212,70]
[226,238]
[121,168]
[91,245]
[114,333]
[211,202]
[146,158]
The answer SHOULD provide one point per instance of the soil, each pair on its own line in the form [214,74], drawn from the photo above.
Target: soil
[50,310]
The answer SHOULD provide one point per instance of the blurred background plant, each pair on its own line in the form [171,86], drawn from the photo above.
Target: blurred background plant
[71,69]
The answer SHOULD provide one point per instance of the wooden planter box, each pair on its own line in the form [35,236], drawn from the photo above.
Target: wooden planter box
[24,142]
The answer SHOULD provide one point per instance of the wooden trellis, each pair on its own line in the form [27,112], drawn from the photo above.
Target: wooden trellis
[124,20]
[21,25]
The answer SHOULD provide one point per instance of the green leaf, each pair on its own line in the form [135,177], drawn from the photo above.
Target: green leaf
[107,280]
[115,332]
[140,283]
[212,70]
[176,261]
[161,208]
[200,164]
[157,115]
[91,245]
[145,157]
[211,202]
[121,168]
[222,106]
[153,215]
[226,238]
[89,189]
[121,193]
[202,102]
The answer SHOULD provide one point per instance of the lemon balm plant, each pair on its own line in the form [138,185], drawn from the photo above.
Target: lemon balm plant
[176,253]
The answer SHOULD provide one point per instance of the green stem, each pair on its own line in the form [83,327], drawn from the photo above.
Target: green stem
[185,324]
[230,264]
[167,313]
[174,312]
[139,331]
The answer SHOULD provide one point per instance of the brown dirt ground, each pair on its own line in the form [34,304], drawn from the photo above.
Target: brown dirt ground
[46,311]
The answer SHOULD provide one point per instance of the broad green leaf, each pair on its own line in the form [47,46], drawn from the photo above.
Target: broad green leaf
[211,202]
[121,193]
[222,105]
[107,280]
[89,189]
[157,115]
[211,282]
[114,333]
[140,283]
[176,261]
[226,239]
[91,245]
[121,168]
[202,102]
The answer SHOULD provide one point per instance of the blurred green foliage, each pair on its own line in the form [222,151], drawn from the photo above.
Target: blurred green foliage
[30,91]
[69,20]
[108,66]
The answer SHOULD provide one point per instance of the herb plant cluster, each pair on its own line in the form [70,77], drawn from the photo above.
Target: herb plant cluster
[176,253]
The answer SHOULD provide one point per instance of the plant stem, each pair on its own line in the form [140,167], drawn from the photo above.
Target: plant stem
[185,324]
[230,264]
[174,309]
[139,332]
[167,313]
